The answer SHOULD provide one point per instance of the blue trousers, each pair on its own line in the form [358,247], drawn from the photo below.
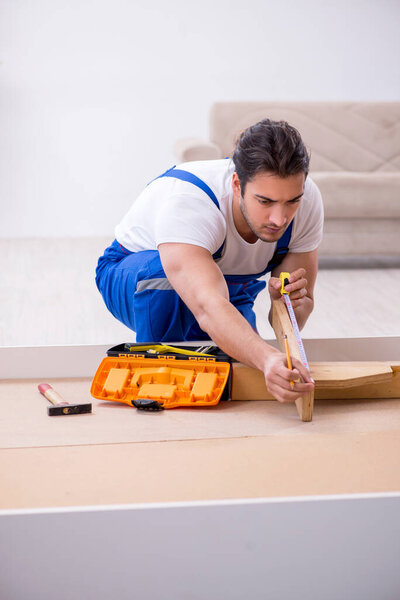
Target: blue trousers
[136,291]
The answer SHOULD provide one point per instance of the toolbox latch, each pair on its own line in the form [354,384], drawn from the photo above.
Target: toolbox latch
[147,404]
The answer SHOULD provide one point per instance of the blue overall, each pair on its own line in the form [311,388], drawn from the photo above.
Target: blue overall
[136,290]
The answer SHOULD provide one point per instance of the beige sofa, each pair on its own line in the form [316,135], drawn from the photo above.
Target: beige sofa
[355,161]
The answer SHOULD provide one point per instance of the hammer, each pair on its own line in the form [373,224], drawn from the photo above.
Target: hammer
[60,406]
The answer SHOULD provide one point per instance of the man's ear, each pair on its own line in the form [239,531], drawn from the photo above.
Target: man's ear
[236,185]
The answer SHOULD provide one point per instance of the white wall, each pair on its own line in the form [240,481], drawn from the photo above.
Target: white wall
[94,93]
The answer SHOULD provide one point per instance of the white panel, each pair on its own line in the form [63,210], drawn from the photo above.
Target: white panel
[50,361]
[316,549]
[82,361]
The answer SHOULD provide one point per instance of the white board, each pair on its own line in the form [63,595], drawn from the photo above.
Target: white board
[316,548]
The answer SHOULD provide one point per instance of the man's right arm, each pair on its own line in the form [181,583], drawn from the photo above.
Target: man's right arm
[194,275]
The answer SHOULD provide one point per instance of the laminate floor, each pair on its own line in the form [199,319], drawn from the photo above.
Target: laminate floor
[48,297]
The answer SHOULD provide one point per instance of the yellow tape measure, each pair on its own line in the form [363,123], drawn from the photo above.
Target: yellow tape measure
[284,277]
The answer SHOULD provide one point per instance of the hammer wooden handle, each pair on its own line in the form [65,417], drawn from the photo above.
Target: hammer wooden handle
[51,394]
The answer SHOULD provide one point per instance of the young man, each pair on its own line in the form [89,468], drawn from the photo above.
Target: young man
[188,255]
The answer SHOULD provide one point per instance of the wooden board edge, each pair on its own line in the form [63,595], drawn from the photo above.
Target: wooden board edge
[282,326]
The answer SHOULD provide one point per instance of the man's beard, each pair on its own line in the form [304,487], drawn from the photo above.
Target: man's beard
[261,233]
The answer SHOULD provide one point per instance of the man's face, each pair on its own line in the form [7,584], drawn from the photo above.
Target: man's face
[267,206]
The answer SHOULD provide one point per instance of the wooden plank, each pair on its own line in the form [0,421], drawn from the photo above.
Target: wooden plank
[340,375]
[367,379]
[248,384]
[390,389]
[282,326]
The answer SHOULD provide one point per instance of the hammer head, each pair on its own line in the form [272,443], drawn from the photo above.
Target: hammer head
[69,409]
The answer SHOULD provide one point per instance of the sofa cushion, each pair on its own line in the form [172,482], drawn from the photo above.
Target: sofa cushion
[359,195]
[360,237]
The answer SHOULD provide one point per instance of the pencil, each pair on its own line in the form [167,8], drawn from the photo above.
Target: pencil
[289,361]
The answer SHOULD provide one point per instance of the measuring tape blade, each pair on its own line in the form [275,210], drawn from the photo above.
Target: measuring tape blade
[296,331]
[292,316]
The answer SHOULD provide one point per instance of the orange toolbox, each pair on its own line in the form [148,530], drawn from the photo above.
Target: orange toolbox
[157,376]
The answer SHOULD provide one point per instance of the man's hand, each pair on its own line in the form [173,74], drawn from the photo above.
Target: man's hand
[303,267]
[297,288]
[278,378]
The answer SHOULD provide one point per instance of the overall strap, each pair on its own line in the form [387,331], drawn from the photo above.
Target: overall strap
[191,178]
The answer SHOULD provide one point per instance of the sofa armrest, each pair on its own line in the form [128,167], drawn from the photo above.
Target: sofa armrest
[188,149]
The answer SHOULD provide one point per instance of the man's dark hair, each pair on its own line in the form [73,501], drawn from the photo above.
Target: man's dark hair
[272,146]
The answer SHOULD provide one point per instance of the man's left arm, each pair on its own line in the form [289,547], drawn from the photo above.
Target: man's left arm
[303,268]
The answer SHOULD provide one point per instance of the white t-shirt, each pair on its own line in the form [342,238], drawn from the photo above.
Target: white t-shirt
[171,210]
